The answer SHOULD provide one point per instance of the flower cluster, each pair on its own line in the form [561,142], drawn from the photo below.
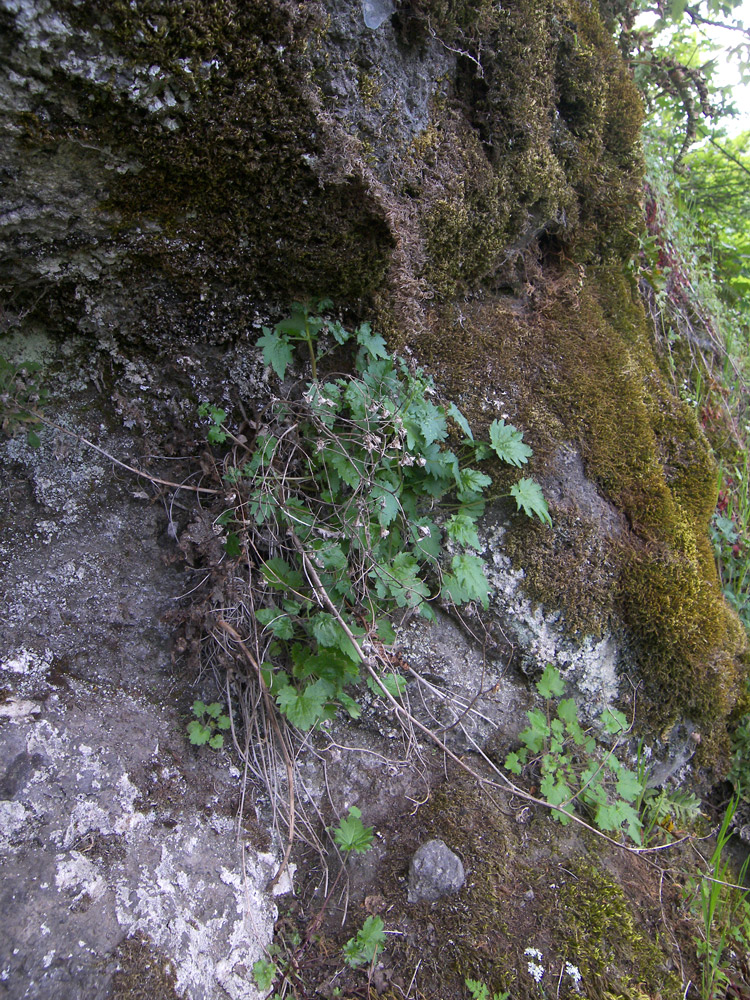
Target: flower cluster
[535,967]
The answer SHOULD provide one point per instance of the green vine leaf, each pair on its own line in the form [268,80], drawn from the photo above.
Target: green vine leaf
[304,708]
[352,835]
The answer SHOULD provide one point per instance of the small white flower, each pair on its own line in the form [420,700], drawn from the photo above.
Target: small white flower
[575,974]
[535,971]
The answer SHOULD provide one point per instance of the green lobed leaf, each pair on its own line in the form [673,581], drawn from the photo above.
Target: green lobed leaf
[349,704]
[550,684]
[462,529]
[280,624]
[466,581]
[394,684]
[507,443]
[326,629]
[425,424]
[372,343]
[403,581]
[628,785]
[567,710]
[351,834]
[304,708]
[280,575]
[232,545]
[386,502]
[264,973]
[277,351]
[529,498]
[615,722]
[363,948]
[426,538]
[198,733]
[537,732]
[472,481]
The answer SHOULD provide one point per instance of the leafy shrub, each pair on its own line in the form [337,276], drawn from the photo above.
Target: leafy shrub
[340,502]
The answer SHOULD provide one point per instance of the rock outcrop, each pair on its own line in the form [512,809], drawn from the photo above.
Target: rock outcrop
[466,175]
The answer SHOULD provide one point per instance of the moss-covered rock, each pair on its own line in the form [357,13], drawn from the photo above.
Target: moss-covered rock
[578,371]
[531,884]
[469,172]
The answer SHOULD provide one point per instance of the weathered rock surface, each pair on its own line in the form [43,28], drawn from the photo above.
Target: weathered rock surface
[111,825]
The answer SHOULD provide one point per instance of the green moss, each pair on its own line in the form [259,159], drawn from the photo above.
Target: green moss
[553,145]
[142,973]
[596,922]
[576,563]
[527,886]
[578,371]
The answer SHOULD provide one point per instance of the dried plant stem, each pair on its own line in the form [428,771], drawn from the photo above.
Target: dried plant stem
[234,634]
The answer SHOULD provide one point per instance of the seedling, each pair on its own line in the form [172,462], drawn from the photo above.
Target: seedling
[206,726]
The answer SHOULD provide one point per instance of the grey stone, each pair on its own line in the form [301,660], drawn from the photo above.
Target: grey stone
[435,871]
[376,11]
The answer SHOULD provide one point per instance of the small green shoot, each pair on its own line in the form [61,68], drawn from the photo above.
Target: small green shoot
[351,834]
[216,432]
[206,726]
[264,973]
[364,948]
[480,991]
[21,399]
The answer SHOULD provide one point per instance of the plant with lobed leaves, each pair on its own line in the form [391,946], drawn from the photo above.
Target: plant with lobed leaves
[347,503]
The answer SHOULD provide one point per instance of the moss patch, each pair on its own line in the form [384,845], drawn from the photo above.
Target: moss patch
[543,139]
[142,973]
[574,367]
[530,884]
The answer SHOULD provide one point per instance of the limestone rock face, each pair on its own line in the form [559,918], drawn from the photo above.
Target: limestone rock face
[464,174]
